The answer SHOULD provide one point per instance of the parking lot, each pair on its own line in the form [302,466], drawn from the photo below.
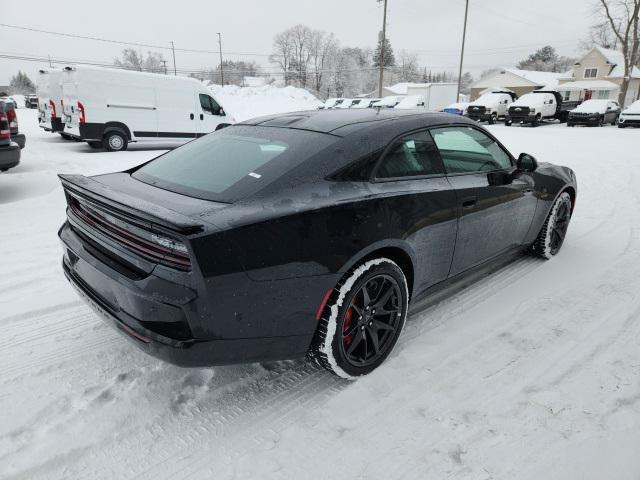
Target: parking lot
[534,364]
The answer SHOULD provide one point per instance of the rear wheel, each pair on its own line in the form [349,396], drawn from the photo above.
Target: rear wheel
[493,118]
[362,320]
[508,123]
[601,122]
[554,230]
[114,141]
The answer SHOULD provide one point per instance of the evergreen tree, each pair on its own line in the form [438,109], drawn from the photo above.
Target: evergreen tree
[389,59]
[21,84]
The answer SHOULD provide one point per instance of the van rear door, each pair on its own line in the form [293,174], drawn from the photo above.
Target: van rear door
[176,109]
[210,114]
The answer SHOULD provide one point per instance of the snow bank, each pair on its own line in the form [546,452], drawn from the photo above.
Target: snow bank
[243,103]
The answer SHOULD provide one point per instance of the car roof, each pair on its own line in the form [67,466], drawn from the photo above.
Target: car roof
[331,121]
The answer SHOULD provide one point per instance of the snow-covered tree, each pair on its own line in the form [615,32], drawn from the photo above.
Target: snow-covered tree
[546,59]
[132,59]
[386,53]
[21,84]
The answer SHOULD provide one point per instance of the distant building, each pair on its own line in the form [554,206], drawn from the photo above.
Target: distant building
[518,81]
[599,75]
[400,88]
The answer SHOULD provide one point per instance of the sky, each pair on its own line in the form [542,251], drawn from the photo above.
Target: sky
[500,32]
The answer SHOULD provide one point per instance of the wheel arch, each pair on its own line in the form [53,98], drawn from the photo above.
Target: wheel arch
[395,251]
[110,126]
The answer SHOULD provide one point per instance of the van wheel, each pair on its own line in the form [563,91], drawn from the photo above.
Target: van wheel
[95,145]
[114,141]
[362,319]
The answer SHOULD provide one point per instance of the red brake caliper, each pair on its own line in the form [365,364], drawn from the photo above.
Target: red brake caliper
[346,326]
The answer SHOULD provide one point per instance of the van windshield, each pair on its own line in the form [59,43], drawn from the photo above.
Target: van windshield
[232,163]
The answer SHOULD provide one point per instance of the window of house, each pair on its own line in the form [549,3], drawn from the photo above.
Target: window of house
[566,96]
[603,94]
[467,150]
[411,156]
[590,72]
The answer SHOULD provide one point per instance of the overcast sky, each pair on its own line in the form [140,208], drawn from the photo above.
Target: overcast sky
[500,32]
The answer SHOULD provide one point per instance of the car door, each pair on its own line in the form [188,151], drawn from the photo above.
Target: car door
[496,204]
[419,204]
[210,114]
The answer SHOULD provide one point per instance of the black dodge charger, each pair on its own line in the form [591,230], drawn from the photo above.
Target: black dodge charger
[307,233]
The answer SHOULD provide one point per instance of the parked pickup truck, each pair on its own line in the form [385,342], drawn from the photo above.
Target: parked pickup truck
[538,106]
[491,106]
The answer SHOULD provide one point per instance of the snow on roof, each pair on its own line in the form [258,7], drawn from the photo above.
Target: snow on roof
[588,85]
[616,58]
[401,88]
[538,78]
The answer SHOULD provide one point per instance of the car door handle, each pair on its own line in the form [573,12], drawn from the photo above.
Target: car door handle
[191,116]
[201,116]
[469,202]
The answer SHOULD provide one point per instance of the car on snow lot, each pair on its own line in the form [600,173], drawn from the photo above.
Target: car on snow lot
[491,106]
[10,110]
[630,116]
[456,108]
[364,102]
[30,101]
[9,150]
[594,113]
[9,101]
[331,103]
[389,102]
[288,234]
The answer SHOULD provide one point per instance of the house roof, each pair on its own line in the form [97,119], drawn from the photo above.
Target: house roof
[537,78]
[401,88]
[616,58]
[588,85]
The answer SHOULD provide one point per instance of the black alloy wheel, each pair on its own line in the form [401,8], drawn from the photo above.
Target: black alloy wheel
[560,226]
[371,321]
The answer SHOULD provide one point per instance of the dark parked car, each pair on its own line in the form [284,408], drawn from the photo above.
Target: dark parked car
[30,101]
[9,150]
[308,232]
[12,116]
[594,113]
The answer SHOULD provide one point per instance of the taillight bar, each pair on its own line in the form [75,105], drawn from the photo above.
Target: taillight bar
[53,108]
[83,118]
[5,131]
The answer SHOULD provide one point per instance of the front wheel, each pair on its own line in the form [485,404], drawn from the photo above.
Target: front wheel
[554,230]
[508,123]
[362,319]
[114,141]
[493,119]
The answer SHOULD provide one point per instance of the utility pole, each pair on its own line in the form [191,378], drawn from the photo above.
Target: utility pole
[464,37]
[173,51]
[382,44]
[164,64]
[220,50]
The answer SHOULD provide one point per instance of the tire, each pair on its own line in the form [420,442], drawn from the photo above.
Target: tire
[493,119]
[620,125]
[614,122]
[343,343]
[569,124]
[114,141]
[601,122]
[554,230]
[4,169]
[508,123]
[95,145]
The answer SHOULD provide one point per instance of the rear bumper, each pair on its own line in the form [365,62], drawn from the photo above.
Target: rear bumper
[520,118]
[136,308]
[20,139]
[86,131]
[9,156]
[479,117]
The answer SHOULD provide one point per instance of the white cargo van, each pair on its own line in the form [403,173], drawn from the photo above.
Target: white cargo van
[49,92]
[108,108]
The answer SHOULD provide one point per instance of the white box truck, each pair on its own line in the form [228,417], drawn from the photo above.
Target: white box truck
[108,107]
[435,96]
[49,92]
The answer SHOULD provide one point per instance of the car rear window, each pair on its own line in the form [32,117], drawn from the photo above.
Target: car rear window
[232,163]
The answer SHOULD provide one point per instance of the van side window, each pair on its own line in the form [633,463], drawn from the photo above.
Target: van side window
[467,150]
[209,105]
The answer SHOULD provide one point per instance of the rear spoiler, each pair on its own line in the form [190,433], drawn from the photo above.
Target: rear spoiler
[129,206]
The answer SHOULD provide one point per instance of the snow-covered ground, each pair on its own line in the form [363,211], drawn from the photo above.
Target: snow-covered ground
[247,102]
[533,372]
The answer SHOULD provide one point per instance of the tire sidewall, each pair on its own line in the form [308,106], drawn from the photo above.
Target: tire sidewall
[337,309]
[546,252]
[107,141]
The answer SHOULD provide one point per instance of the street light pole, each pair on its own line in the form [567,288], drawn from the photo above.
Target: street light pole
[464,37]
[382,44]
[220,50]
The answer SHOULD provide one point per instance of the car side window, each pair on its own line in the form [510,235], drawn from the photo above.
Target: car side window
[468,150]
[410,156]
[209,105]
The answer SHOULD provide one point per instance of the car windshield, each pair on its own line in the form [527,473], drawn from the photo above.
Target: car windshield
[232,163]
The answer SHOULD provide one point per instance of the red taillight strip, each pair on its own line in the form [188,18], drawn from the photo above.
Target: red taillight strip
[138,244]
[53,109]
[83,118]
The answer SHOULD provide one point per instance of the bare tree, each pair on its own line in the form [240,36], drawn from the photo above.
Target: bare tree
[600,35]
[283,49]
[623,17]
[322,48]
[135,60]
[407,69]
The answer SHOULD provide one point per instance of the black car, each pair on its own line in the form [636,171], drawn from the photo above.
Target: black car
[595,113]
[304,233]
[30,101]
[9,150]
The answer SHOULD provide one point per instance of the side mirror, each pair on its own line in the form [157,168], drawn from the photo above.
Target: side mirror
[526,163]
[221,112]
